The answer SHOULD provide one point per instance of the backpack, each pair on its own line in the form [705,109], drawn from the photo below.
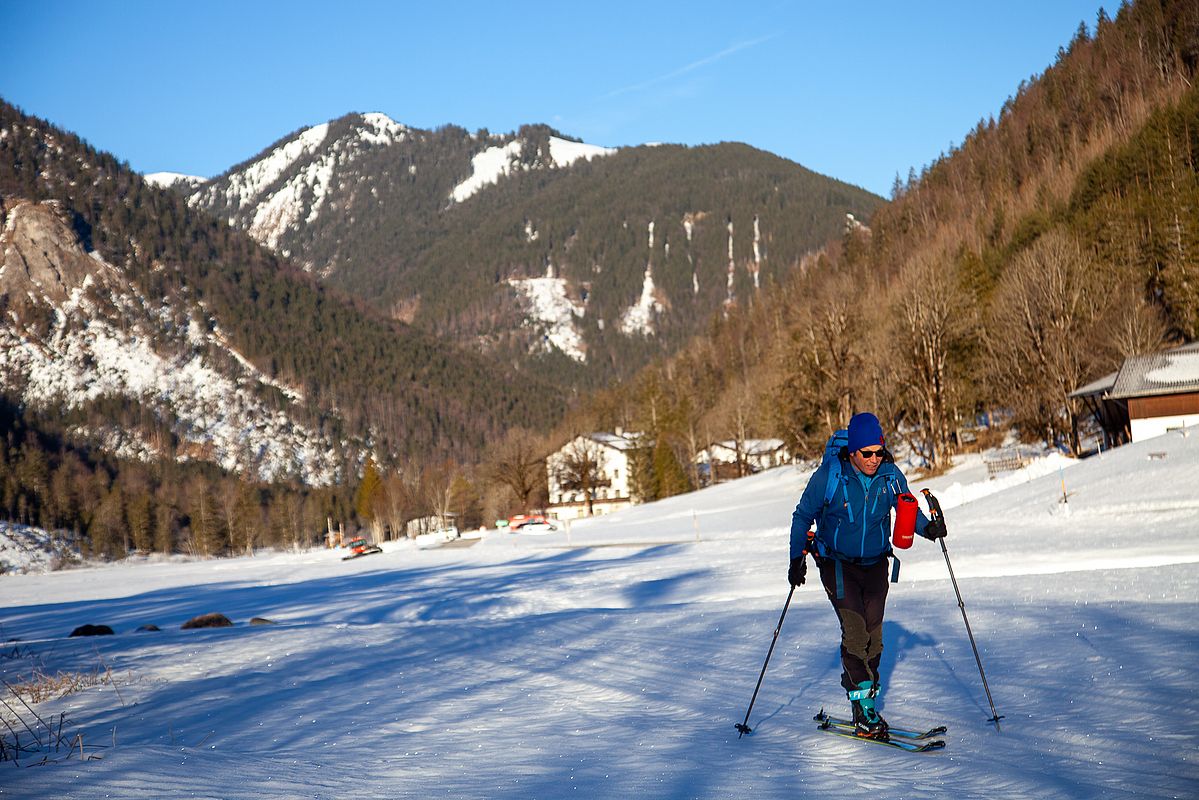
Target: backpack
[832,457]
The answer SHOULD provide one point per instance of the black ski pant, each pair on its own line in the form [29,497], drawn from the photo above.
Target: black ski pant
[860,607]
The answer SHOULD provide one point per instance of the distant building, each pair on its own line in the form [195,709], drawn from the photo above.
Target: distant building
[1148,396]
[607,457]
[722,461]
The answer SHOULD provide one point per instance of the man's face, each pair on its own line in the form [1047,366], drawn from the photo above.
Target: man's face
[868,459]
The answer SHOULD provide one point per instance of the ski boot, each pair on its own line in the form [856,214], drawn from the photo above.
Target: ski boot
[866,719]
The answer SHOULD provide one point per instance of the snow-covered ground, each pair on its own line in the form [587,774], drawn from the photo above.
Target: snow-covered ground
[613,659]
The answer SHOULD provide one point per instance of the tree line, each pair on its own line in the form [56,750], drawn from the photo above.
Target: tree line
[1054,242]
[110,507]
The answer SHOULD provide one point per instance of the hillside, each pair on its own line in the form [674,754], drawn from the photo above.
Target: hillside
[588,259]
[1056,239]
[540,666]
[336,368]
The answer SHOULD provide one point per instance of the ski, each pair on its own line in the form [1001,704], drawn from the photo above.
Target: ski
[827,721]
[910,745]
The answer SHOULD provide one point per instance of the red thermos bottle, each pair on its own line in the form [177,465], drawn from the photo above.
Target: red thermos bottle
[905,521]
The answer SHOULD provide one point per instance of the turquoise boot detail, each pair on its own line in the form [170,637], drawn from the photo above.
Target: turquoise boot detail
[865,716]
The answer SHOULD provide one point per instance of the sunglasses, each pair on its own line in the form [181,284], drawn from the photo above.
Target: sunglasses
[871,453]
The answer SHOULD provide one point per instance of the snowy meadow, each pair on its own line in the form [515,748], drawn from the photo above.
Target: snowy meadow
[615,657]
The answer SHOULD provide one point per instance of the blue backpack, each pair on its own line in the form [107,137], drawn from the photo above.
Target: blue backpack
[832,457]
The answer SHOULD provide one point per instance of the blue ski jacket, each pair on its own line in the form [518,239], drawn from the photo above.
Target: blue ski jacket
[856,524]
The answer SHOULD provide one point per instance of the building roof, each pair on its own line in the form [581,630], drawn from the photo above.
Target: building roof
[1099,387]
[1169,372]
[752,447]
[617,441]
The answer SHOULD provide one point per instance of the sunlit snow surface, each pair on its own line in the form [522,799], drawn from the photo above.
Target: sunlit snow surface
[639,317]
[551,666]
[495,162]
[167,179]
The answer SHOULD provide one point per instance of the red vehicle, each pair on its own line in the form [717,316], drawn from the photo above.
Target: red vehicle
[360,547]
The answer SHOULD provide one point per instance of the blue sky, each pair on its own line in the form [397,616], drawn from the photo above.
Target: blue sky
[859,91]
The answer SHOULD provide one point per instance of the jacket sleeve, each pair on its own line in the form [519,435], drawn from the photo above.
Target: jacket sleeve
[810,506]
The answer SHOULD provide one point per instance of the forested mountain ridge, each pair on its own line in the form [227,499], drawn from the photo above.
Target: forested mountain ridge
[1058,238]
[529,243]
[350,377]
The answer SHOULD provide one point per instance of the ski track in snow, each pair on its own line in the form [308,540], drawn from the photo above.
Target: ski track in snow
[547,666]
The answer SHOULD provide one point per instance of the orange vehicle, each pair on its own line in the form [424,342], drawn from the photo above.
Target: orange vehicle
[360,547]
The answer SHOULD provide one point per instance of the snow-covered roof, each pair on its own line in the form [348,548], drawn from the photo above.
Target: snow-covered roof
[617,441]
[1170,372]
[1099,387]
[752,447]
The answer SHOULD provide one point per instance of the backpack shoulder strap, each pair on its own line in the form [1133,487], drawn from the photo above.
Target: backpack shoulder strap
[834,477]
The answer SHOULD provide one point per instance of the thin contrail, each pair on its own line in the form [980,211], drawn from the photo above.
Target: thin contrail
[694,65]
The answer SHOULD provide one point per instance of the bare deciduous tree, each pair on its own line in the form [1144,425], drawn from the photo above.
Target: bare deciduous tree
[518,463]
[1042,334]
[578,469]
[824,364]
[931,320]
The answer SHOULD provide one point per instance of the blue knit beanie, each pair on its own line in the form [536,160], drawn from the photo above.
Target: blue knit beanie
[864,431]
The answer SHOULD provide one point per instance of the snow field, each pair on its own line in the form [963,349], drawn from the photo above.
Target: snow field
[551,666]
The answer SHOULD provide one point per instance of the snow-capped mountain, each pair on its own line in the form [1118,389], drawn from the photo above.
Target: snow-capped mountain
[277,194]
[134,325]
[529,244]
[79,331]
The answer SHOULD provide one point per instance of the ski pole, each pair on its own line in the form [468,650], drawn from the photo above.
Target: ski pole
[934,507]
[743,727]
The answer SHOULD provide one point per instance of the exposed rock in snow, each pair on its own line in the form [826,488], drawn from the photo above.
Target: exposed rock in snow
[553,313]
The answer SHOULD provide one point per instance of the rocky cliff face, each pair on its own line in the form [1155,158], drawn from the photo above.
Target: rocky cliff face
[76,334]
[42,262]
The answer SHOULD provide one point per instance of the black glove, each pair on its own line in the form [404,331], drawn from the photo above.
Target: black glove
[797,573]
[935,529]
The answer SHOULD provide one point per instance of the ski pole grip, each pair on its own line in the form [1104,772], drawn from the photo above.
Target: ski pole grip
[934,505]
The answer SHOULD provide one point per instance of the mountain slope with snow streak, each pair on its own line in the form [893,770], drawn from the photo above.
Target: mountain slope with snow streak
[436,227]
[615,658]
[488,166]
